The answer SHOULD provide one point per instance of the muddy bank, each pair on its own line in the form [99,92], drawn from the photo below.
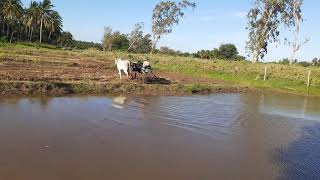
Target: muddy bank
[136,88]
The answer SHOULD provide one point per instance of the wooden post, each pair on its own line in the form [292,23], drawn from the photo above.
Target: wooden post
[265,73]
[308,84]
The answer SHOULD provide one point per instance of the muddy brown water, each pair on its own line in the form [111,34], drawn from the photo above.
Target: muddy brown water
[222,136]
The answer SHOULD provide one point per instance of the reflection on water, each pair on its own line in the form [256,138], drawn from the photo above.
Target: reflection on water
[224,136]
[119,101]
[294,106]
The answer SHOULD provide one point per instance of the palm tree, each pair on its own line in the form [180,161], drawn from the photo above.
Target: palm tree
[31,18]
[45,11]
[1,20]
[11,11]
[55,24]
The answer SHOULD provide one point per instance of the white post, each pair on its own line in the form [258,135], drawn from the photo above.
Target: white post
[265,73]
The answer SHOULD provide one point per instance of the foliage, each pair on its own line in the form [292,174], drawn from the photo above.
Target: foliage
[284,61]
[86,45]
[136,35]
[138,42]
[119,41]
[23,24]
[167,50]
[316,62]
[264,20]
[107,38]
[305,63]
[65,39]
[11,12]
[114,40]
[294,18]
[166,14]
[228,51]
[225,51]
[144,44]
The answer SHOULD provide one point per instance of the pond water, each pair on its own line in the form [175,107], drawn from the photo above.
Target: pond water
[221,136]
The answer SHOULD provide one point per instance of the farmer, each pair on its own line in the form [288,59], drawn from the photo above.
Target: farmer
[146,67]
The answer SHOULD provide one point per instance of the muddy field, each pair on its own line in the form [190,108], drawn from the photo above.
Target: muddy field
[37,72]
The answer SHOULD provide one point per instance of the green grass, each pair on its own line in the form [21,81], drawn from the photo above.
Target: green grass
[279,77]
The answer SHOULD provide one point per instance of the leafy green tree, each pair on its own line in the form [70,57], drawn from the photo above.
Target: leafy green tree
[228,51]
[316,62]
[144,45]
[136,35]
[114,40]
[86,45]
[119,41]
[304,64]
[65,39]
[107,38]
[284,61]
[166,14]
[138,42]
[167,50]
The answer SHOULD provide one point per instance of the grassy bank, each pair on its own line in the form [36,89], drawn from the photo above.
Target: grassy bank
[35,69]
[279,77]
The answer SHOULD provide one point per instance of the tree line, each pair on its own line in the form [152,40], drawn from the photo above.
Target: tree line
[38,22]
[314,62]
[33,23]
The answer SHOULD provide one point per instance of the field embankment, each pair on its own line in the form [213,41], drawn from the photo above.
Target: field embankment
[28,70]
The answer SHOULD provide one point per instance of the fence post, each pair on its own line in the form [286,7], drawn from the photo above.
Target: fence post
[265,73]
[308,84]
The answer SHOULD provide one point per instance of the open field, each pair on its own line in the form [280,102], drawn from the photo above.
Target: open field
[46,70]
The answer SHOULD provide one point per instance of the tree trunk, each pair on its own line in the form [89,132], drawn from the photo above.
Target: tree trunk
[8,30]
[255,57]
[110,47]
[41,25]
[293,55]
[3,29]
[31,34]
[131,46]
[11,37]
[154,45]
[49,37]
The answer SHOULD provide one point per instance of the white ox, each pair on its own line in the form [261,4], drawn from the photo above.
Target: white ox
[123,65]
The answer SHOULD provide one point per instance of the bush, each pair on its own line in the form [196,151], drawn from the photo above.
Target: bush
[228,51]
[225,51]
[304,64]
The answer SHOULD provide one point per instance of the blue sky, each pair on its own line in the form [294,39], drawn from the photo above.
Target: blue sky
[212,23]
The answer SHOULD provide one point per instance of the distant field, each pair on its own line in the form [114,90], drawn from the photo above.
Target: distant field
[37,69]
